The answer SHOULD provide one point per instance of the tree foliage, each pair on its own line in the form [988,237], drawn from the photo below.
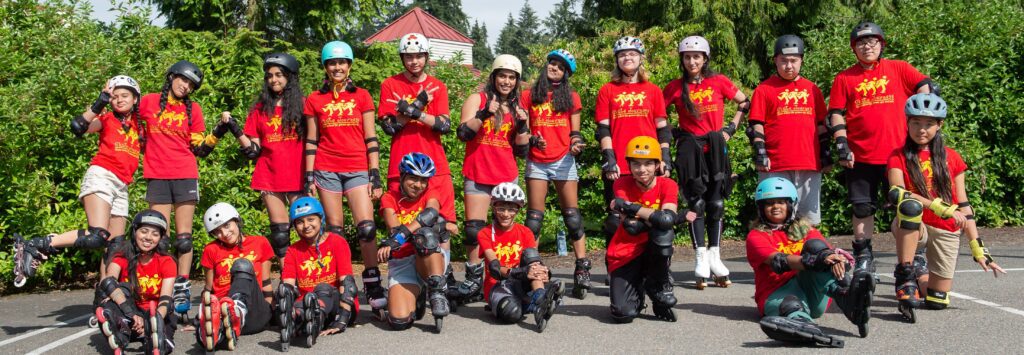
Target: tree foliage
[482,55]
[445,10]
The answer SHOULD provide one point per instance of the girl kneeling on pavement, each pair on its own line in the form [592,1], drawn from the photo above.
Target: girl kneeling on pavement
[517,281]
[796,272]
[925,163]
[317,295]
[640,251]
[413,251]
[237,296]
[137,301]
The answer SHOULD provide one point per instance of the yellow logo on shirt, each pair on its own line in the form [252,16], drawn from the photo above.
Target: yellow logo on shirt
[631,98]
[699,96]
[791,249]
[130,135]
[169,118]
[875,86]
[489,127]
[543,110]
[341,107]
[406,217]
[508,253]
[230,259]
[274,123]
[149,284]
[796,96]
[312,265]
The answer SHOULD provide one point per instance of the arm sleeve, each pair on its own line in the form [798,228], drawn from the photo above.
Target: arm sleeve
[602,111]
[577,104]
[729,89]
[955,162]
[207,259]
[289,268]
[386,93]
[895,161]
[168,269]
[365,101]
[658,104]
[759,105]
[670,191]
[670,93]
[198,121]
[758,248]
[266,252]
[527,237]
[837,95]
[819,105]
[308,108]
[343,261]
[251,128]
[911,77]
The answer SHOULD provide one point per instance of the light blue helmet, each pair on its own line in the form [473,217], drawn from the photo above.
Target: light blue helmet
[417,164]
[305,206]
[775,187]
[567,58]
[335,50]
[926,105]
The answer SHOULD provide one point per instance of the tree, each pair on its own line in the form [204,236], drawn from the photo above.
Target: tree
[562,21]
[301,22]
[482,55]
[529,29]
[508,41]
[445,10]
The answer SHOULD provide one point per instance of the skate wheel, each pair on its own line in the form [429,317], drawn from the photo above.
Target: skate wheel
[863,330]
[700,284]
[579,292]
[93,322]
[438,324]
[20,281]
[310,340]
[284,347]
[908,312]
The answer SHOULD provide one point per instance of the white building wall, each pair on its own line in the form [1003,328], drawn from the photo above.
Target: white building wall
[443,49]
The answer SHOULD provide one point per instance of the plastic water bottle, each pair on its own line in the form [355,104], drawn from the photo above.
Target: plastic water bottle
[561,243]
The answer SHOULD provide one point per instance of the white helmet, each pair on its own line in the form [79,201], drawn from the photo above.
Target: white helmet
[413,43]
[629,43]
[218,214]
[508,192]
[695,44]
[507,61]
[126,82]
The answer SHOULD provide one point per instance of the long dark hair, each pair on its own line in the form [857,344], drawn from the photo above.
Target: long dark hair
[512,99]
[941,182]
[705,72]
[130,251]
[292,119]
[185,100]
[561,94]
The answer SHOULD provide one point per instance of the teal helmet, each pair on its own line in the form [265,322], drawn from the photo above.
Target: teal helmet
[336,50]
[776,188]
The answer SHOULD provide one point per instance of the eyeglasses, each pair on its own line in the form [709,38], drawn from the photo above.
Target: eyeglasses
[625,54]
[868,42]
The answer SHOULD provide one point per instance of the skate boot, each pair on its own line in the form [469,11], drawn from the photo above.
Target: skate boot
[182,298]
[438,301]
[702,269]
[907,293]
[581,278]
[718,268]
[156,342]
[545,301]
[865,256]
[116,332]
[313,315]
[452,287]
[233,310]
[662,300]
[421,304]
[796,329]
[287,316]
[374,292]
[28,255]
[471,290]
[854,296]
[209,332]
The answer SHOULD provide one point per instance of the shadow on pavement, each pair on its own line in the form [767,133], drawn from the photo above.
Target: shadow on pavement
[739,313]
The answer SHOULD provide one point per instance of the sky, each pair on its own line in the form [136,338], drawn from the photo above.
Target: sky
[488,12]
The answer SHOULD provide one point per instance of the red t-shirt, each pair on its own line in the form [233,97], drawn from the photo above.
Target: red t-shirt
[631,109]
[119,149]
[874,100]
[489,159]
[790,112]
[708,98]
[219,258]
[552,125]
[339,122]
[760,246]
[279,166]
[151,276]
[625,247]
[406,210]
[300,263]
[168,138]
[416,136]
[956,166]
[507,245]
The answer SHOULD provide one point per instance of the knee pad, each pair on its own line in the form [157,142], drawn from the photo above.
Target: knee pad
[698,206]
[529,256]
[508,310]
[336,229]
[623,316]
[92,238]
[426,241]
[441,227]
[791,304]
[661,241]
[633,226]
[611,223]
[280,238]
[573,223]
[366,231]
[662,219]
[242,268]
[183,243]
[164,244]
[400,323]
[473,228]
[863,210]
[113,248]
[348,296]
[909,213]
[534,221]
[813,246]
[936,300]
[716,209]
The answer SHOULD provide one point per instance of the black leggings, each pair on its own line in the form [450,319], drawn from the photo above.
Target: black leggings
[258,314]
[647,272]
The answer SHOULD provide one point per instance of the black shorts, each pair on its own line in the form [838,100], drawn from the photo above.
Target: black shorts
[863,182]
[159,191]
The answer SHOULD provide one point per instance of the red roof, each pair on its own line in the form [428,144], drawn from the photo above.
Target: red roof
[417,20]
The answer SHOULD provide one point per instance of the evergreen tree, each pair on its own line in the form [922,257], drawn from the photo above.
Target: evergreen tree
[446,10]
[562,21]
[482,55]
[508,42]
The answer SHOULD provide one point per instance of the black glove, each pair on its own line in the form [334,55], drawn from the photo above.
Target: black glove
[100,103]
[843,149]
[627,208]
[308,184]
[224,127]
[374,175]
[826,149]
[610,164]
[729,129]
[398,237]
[522,127]
[816,261]
[519,273]
[410,110]
[666,157]
[760,153]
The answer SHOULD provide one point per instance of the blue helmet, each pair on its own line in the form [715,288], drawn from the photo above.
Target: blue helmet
[926,105]
[335,50]
[775,187]
[567,58]
[305,206]
[417,164]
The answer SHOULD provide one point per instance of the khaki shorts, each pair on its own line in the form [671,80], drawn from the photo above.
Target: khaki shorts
[943,247]
[106,186]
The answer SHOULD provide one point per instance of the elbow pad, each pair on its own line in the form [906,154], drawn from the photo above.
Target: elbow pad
[442,124]
[389,124]
[79,125]
[494,267]
[465,133]
[603,130]
[780,265]
[252,151]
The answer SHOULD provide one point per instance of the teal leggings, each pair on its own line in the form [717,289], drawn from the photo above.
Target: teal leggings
[812,288]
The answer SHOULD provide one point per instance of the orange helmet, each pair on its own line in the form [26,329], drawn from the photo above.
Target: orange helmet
[643,147]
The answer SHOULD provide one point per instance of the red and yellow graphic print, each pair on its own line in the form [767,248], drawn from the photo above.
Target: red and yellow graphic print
[129,141]
[508,253]
[704,99]
[341,113]
[497,138]
[630,105]
[317,271]
[873,91]
[794,102]
[224,267]
[149,285]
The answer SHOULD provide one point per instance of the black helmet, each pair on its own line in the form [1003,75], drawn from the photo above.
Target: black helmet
[866,29]
[149,218]
[789,44]
[188,70]
[284,60]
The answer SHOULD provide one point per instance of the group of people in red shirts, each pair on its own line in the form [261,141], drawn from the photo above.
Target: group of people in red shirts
[324,144]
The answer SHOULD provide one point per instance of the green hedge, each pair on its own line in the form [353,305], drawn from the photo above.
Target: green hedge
[57,59]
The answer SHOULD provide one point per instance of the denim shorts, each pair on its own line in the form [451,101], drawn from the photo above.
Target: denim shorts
[403,271]
[340,182]
[560,170]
